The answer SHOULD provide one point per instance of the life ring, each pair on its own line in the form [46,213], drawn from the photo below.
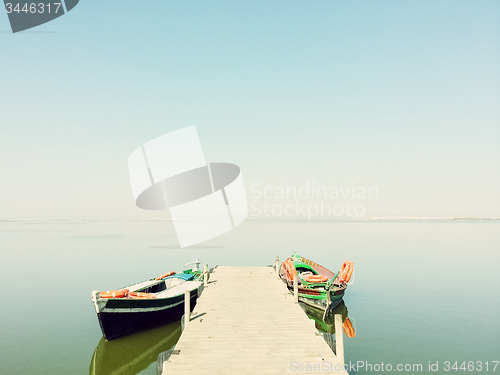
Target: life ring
[166,275]
[138,295]
[343,272]
[291,269]
[113,294]
[316,278]
[288,269]
[343,267]
[350,270]
[346,271]
[348,329]
[282,269]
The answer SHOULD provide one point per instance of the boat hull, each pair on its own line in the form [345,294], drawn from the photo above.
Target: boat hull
[123,316]
[321,303]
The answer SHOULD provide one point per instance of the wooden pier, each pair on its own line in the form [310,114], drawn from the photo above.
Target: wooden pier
[246,322]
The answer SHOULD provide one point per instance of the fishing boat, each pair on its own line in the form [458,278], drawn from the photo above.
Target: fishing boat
[146,303]
[318,287]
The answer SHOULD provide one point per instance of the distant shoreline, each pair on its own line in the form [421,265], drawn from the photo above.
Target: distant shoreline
[263,219]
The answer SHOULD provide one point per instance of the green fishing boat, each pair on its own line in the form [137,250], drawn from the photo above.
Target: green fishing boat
[318,287]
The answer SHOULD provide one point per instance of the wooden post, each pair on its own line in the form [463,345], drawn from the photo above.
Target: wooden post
[205,277]
[295,288]
[187,307]
[339,338]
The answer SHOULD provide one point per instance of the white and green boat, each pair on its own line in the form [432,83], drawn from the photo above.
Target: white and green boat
[318,287]
[146,303]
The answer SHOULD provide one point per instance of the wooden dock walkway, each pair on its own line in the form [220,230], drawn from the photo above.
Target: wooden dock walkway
[246,322]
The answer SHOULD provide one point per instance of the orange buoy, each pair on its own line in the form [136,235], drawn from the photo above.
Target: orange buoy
[316,278]
[348,329]
[346,272]
[141,295]
[349,272]
[113,294]
[166,275]
[291,269]
[343,267]
[288,269]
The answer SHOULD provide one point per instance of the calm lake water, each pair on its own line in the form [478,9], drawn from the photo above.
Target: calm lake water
[422,291]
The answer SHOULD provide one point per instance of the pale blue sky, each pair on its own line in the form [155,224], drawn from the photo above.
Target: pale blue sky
[402,95]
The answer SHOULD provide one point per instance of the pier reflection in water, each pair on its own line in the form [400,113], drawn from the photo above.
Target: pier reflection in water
[327,326]
[131,354]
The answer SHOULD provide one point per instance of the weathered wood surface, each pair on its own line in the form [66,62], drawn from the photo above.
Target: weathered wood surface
[246,322]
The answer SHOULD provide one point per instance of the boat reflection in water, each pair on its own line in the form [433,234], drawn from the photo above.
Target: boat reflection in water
[327,326]
[132,354]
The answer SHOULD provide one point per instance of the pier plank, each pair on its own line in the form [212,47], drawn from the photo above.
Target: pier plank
[246,322]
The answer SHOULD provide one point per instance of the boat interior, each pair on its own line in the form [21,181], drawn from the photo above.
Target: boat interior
[304,270]
[159,286]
